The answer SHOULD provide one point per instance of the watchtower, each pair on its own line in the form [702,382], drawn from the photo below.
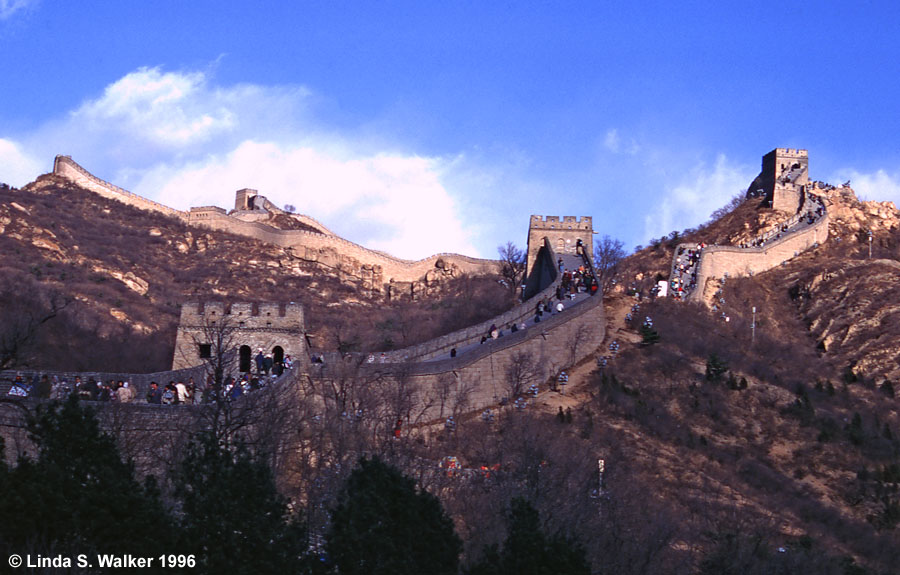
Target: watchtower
[785,172]
[243,328]
[245,199]
[563,237]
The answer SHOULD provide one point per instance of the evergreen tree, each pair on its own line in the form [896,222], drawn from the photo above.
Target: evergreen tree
[649,335]
[716,368]
[383,525]
[234,520]
[527,551]
[78,496]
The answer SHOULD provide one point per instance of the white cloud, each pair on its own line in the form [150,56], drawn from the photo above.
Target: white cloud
[168,109]
[690,202]
[17,168]
[179,139]
[612,141]
[389,202]
[10,7]
[880,186]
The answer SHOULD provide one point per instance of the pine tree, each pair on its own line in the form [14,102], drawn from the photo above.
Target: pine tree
[383,525]
[78,496]
[716,368]
[528,551]
[234,519]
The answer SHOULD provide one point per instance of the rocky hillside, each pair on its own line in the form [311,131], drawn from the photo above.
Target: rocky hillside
[783,436]
[119,275]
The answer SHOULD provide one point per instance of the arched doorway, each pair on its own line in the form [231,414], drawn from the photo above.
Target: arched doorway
[277,354]
[245,354]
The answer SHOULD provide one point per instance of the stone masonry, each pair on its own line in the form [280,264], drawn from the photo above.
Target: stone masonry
[273,328]
[784,184]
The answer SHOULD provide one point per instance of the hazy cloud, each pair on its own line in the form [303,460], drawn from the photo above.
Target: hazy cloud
[880,186]
[169,109]
[389,202]
[10,7]
[690,202]
[613,143]
[16,167]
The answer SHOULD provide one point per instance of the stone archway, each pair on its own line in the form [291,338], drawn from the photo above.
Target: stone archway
[277,354]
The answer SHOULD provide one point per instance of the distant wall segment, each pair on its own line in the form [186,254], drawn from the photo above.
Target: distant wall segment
[376,270]
[66,167]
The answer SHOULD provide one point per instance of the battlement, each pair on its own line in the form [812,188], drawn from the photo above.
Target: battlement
[794,153]
[321,246]
[782,178]
[244,199]
[554,223]
[244,314]
[201,213]
[66,167]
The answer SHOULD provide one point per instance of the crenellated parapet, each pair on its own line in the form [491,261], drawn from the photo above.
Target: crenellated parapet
[66,167]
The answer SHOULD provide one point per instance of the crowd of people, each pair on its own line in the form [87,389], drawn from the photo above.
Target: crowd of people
[178,391]
[684,271]
[47,387]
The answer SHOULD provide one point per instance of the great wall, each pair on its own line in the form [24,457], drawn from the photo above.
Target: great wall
[783,183]
[434,369]
[376,270]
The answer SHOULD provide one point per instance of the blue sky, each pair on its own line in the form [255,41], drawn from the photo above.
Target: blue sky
[418,127]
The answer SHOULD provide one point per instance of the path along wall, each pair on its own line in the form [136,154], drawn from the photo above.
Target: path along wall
[441,346]
[721,261]
[557,343]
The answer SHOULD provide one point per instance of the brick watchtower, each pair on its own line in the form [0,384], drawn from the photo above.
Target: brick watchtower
[562,236]
[785,171]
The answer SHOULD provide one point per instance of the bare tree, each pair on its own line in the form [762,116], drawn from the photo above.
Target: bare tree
[512,265]
[23,312]
[521,371]
[608,253]
[580,337]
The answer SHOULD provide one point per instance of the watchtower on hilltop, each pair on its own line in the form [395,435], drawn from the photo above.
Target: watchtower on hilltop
[245,199]
[563,237]
[241,329]
[785,172]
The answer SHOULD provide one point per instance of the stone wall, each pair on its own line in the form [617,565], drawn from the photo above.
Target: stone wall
[730,261]
[479,376]
[64,166]
[559,342]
